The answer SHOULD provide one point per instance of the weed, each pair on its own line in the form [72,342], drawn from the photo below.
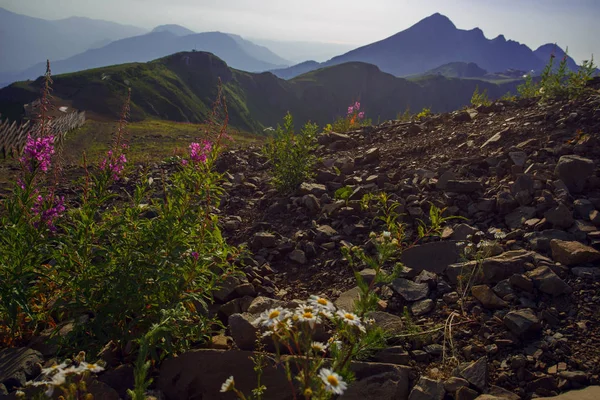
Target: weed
[291,155]
[354,119]
[480,98]
[424,113]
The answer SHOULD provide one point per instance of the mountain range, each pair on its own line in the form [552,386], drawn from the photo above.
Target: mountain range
[435,41]
[182,86]
[25,41]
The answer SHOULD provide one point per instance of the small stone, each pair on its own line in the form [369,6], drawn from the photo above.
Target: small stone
[427,389]
[466,393]
[522,321]
[548,282]
[560,217]
[298,256]
[454,383]
[422,307]
[347,300]
[477,373]
[574,171]
[487,297]
[409,290]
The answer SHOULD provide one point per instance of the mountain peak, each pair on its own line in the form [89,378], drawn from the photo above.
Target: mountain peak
[436,20]
[175,29]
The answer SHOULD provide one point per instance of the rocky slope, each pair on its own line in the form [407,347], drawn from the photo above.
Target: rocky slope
[526,179]
[528,170]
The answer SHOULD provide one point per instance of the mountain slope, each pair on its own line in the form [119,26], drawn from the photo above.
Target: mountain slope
[174,29]
[458,70]
[154,45]
[545,51]
[181,87]
[25,40]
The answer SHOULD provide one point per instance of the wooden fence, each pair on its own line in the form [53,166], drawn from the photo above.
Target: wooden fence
[13,136]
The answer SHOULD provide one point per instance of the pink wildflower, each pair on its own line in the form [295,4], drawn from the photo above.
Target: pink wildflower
[195,255]
[48,209]
[361,115]
[357,106]
[350,110]
[38,152]
[199,151]
[116,165]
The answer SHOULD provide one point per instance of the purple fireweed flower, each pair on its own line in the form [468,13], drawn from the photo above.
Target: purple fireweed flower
[199,151]
[350,110]
[361,115]
[357,106]
[114,164]
[48,209]
[38,152]
[195,255]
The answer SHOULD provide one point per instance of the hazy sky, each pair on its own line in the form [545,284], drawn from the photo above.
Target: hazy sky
[573,23]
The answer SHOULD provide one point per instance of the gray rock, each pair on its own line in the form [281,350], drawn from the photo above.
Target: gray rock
[298,256]
[262,240]
[462,231]
[586,272]
[454,383]
[388,322]
[227,291]
[427,389]
[516,218]
[316,189]
[409,290]
[574,170]
[540,241]
[573,253]
[243,330]
[368,275]
[560,217]
[434,256]
[583,208]
[548,282]
[466,393]
[324,233]
[496,269]
[311,203]
[521,322]
[19,364]
[261,304]
[463,186]
[518,158]
[487,297]
[347,299]
[393,355]
[477,373]
[422,307]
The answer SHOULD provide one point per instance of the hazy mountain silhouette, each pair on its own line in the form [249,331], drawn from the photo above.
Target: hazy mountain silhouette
[175,29]
[237,52]
[25,40]
[433,42]
[546,50]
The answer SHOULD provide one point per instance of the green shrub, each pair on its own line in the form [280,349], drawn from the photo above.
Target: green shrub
[480,99]
[291,155]
[116,259]
[425,112]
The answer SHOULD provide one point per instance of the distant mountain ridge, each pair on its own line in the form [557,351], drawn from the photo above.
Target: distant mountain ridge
[25,41]
[236,51]
[436,41]
[181,87]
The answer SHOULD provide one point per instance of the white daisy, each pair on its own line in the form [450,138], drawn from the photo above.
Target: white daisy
[85,366]
[228,385]
[309,315]
[333,382]
[54,368]
[351,319]
[271,317]
[318,347]
[321,303]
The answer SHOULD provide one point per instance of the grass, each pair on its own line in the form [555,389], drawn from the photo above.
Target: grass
[149,140]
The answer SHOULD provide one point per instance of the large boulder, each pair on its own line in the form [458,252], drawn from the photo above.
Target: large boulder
[574,171]
[434,257]
[19,364]
[548,282]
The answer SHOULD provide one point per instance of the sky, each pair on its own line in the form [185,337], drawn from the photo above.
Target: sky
[572,23]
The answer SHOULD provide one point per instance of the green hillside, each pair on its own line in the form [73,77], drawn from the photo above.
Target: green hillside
[181,87]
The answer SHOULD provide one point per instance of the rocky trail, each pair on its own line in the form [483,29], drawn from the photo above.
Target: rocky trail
[524,177]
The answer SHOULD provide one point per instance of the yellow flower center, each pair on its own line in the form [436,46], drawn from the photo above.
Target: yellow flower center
[308,314]
[349,316]
[308,392]
[322,302]
[274,314]
[333,381]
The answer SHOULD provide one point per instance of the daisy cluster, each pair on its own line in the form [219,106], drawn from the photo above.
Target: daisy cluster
[316,310]
[57,375]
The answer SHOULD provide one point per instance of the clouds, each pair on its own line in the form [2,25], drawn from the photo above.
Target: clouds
[533,22]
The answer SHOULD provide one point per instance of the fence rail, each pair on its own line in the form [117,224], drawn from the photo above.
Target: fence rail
[13,136]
